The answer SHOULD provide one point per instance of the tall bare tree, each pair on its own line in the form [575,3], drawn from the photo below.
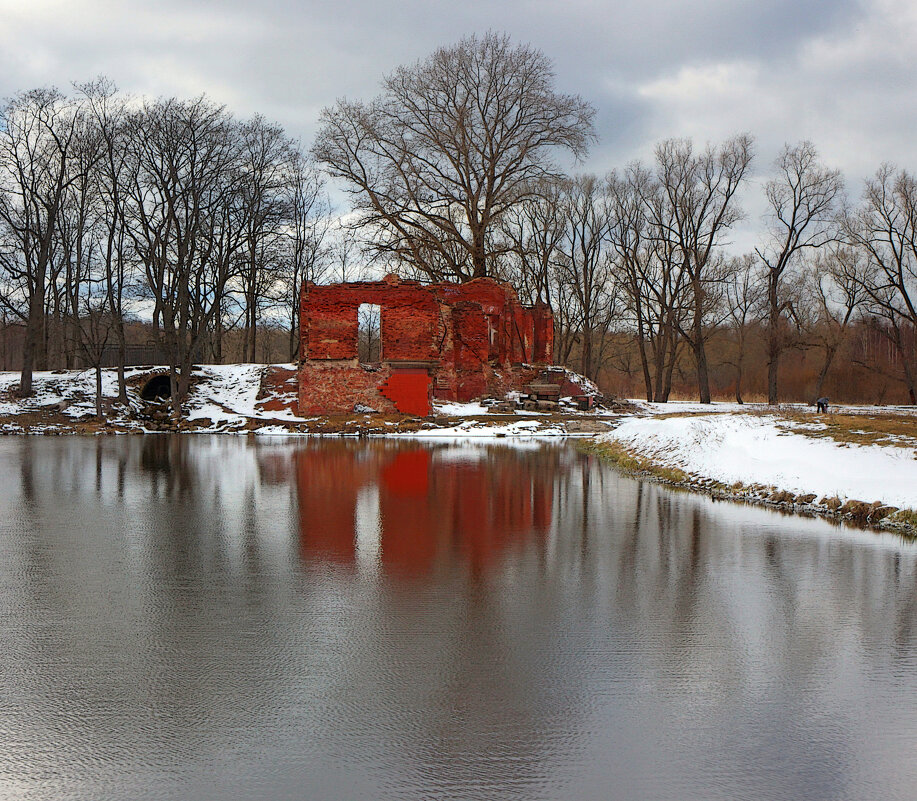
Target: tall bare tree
[185,216]
[534,230]
[656,271]
[39,132]
[108,111]
[583,266]
[837,288]
[700,190]
[802,200]
[268,176]
[452,144]
[629,243]
[884,227]
[307,232]
[743,299]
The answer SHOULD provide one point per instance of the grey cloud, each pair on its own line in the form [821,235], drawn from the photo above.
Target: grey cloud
[838,72]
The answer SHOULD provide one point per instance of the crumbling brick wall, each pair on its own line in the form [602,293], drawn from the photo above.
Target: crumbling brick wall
[460,341]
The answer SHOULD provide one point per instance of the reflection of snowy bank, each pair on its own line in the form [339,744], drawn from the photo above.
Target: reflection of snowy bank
[769,458]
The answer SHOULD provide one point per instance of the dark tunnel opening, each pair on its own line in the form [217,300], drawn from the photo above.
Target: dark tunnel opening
[157,388]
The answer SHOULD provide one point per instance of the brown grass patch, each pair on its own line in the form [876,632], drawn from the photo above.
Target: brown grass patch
[880,428]
[632,462]
[898,430]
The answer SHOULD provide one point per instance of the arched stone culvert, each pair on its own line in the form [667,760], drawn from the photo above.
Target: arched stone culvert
[157,388]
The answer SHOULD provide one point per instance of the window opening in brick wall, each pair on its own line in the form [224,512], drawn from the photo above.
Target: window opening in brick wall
[369,333]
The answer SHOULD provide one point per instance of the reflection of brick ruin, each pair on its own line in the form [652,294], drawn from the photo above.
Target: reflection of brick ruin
[450,341]
[426,505]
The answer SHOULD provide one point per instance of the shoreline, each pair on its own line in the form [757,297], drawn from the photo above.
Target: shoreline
[787,458]
[653,457]
[548,426]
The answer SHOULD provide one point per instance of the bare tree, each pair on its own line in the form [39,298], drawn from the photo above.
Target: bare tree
[629,236]
[837,287]
[452,144]
[94,326]
[654,268]
[268,176]
[109,113]
[534,230]
[306,249]
[743,299]
[185,216]
[700,190]
[884,227]
[802,200]
[584,268]
[39,132]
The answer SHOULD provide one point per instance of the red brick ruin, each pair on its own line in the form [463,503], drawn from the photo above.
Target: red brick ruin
[450,341]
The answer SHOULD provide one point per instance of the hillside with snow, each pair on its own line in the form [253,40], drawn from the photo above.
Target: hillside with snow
[798,455]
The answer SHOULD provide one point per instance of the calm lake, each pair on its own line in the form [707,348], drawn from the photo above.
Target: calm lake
[225,618]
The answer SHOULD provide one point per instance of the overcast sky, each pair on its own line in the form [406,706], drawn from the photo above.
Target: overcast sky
[839,72]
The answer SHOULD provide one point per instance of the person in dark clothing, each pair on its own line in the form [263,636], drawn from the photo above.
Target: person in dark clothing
[822,404]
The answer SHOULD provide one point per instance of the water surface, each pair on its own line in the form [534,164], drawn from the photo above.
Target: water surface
[226,618]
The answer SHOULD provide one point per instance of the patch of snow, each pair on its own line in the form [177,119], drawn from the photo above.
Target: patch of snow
[758,450]
[586,385]
[477,430]
[455,409]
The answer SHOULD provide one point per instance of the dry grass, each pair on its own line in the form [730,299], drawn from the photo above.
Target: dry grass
[907,518]
[898,430]
[860,428]
[634,463]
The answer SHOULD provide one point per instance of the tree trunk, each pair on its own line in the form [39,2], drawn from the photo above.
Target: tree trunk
[700,352]
[25,378]
[662,350]
[908,374]
[772,365]
[34,335]
[218,339]
[173,387]
[478,261]
[586,357]
[641,342]
[122,359]
[99,389]
[773,338]
[703,376]
[823,373]
[670,369]
[253,338]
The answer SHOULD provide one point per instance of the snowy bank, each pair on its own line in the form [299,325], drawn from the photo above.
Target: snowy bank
[253,399]
[776,452]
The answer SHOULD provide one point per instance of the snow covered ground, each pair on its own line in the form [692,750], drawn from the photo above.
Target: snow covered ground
[772,451]
[252,398]
[225,395]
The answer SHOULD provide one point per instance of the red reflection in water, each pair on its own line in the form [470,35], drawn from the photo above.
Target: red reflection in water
[328,481]
[406,512]
[429,506]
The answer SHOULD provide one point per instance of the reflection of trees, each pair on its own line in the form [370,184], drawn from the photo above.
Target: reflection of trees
[165,458]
